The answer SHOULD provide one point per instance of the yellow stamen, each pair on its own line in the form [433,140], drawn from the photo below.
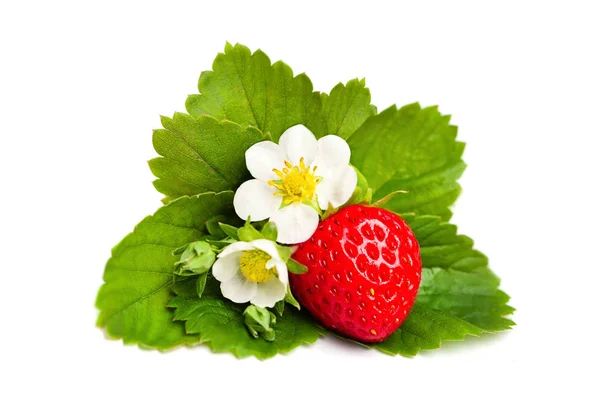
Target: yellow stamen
[297,184]
[302,166]
[253,264]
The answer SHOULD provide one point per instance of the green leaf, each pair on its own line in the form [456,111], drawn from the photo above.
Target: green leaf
[201,284]
[458,295]
[472,296]
[200,154]
[295,267]
[220,324]
[246,88]
[139,275]
[213,227]
[442,246]
[347,107]
[412,149]
[425,329]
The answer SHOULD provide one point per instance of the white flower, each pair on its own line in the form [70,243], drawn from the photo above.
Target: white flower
[252,272]
[292,174]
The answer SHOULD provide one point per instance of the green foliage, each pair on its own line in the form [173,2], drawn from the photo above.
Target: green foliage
[472,296]
[246,88]
[200,154]
[244,100]
[220,324]
[412,149]
[139,275]
[425,329]
[347,107]
[442,246]
[213,226]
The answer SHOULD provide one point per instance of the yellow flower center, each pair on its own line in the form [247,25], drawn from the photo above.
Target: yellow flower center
[297,184]
[253,264]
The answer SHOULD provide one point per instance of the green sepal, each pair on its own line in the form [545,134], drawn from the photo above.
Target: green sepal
[229,230]
[362,194]
[290,299]
[285,252]
[329,212]
[201,284]
[295,267]
[260,322]
[269,231]
[381,202]
[314,204]
[220,244]
[279,307]
[248,233]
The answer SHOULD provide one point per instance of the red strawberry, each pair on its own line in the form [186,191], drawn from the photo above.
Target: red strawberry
[364,270]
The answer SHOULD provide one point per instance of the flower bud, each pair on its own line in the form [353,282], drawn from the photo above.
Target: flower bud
[259,322]
[196,258]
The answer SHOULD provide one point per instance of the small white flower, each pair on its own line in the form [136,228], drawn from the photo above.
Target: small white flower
[252,272]
[298,171]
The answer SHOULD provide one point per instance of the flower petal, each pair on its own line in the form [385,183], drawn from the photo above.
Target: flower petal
[239,289]
[268,247]
[225,268]
[337,189]
[269,293]
[298,142]
[332,152]
[256,199]
[281,269]
[262,157]
[295,223]
[234,248]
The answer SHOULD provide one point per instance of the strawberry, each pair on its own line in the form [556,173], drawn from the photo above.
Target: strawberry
[364,270]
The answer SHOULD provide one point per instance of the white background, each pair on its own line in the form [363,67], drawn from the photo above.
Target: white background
[82,85]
